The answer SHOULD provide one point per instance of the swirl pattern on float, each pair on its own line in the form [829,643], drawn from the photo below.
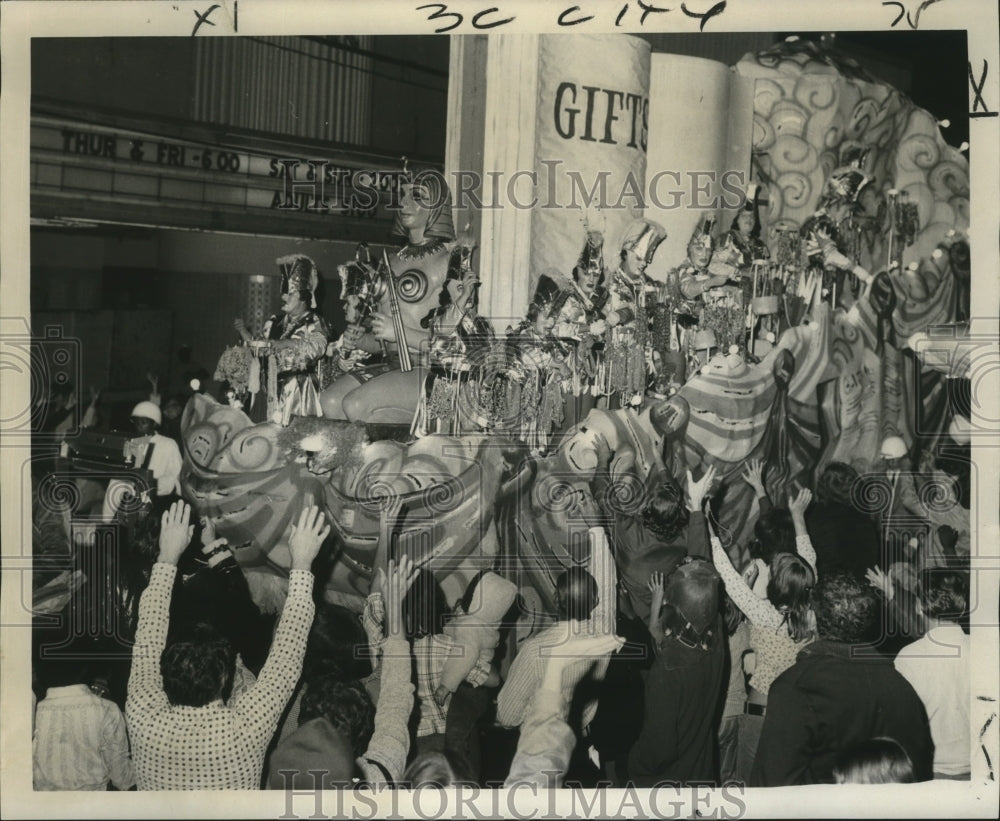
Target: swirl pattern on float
[58,492]
[872,494]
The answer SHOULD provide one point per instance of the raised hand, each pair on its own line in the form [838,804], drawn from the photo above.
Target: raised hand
[379,584]
[699,491]
[307,537]
[655,583]
[176,531]
[399,580]
[880,581]
[797,505]
[753,475]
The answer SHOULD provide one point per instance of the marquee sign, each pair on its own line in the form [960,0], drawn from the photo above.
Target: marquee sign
[78,167]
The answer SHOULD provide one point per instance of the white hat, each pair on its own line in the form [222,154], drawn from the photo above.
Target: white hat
[148,410]
[893,447]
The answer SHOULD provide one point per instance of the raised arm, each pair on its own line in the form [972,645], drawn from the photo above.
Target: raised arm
[390,742]
[803,544]
[656,587]
[262,704]
[145,684]
[602,568]
[759,612]
[697,529]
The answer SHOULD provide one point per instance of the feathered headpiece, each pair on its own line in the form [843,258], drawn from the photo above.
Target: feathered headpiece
[643,237]
[844,185]
[299,273]
[551,293]
[592,256]
[702,236]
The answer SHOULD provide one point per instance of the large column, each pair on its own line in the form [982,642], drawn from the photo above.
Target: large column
[556,127]
[509,148]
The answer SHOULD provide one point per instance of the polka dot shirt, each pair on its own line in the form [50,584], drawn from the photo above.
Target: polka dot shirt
[214,747]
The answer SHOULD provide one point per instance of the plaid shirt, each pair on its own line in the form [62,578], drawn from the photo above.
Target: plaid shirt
[214,747]
[430,654]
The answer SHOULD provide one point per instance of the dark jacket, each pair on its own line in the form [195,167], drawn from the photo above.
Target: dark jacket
[844,539]
[683,703]
[827,702]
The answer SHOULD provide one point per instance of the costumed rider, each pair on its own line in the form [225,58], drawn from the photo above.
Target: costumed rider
[626,345]
[418,271]
[742,245]
[460,341]
[289,349]
[545,362]
[578,320]
[827,237]
[711,293]
[356,352]
[149,451]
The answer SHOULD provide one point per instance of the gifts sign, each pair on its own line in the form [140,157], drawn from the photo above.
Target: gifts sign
[590,143]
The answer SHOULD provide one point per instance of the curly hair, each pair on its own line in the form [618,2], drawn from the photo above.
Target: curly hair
[198,667]
[944,593]
[665,514]
[835,483]
[345,704]
[847,610]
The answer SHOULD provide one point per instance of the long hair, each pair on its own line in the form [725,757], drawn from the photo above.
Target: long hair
[789,590]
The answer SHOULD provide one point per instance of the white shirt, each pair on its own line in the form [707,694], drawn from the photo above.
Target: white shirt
[80,742]
[165,464]
[937,667]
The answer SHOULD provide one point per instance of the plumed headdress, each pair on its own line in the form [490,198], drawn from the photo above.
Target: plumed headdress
[643,237]
[550,294]
[702,236]
[592,255]
[299,273]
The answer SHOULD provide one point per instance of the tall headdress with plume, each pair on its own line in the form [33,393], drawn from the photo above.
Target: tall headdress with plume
[299,273]
[643,237]
[592,256]
[703,235]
